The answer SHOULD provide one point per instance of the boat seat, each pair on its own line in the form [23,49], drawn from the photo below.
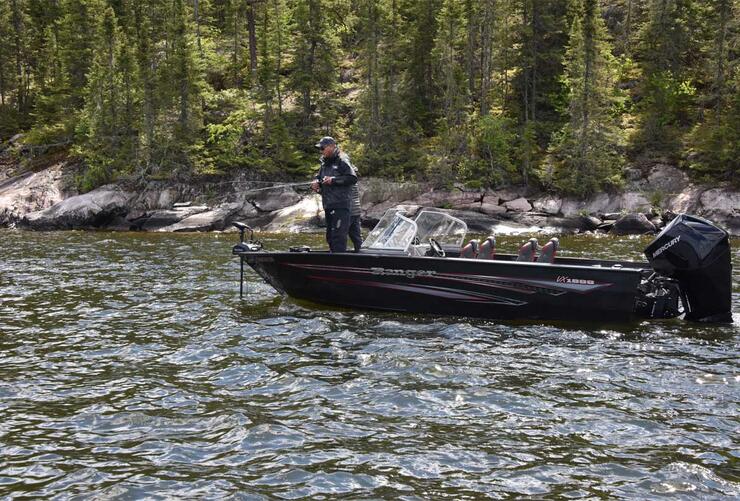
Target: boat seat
[547,254]
[487,249]
[470,251]
[528,251]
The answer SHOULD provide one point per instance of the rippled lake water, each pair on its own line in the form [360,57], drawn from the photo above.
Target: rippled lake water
[129,367]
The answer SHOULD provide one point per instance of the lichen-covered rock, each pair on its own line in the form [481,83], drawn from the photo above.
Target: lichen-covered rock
[722,207]
[518,205]
[632,224]
[304,215]
[597,204]
[686,202]
[273,199]
[92,210]
[548,204]
[216,219]
[507,194]
[492,209]
[30,192]
[635,202]
[667,179]
[158,220]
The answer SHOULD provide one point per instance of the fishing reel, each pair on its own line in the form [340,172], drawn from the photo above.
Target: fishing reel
[251,245]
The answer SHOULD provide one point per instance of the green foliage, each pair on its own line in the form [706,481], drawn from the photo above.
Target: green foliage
[485,92]
[586,151]
[666,99]
[493,140]
[716,144]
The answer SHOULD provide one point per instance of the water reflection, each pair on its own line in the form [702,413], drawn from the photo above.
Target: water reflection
[129,367]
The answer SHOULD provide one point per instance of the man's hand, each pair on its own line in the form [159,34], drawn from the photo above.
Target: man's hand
[315,186]
[327,180]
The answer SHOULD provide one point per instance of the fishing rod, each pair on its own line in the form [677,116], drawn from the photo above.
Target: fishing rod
[285,185]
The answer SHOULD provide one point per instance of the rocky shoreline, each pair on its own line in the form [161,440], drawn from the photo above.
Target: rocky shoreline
[44,201]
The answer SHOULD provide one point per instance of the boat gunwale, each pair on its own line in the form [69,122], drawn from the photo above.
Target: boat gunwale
[601,265]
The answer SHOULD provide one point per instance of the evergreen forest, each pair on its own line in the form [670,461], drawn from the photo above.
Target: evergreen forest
[558,94]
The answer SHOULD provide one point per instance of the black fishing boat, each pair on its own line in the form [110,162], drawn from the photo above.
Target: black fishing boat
[423,265]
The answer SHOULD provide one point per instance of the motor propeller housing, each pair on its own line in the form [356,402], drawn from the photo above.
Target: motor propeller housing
[696,253]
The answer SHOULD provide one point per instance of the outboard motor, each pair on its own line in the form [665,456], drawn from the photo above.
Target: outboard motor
[696,254]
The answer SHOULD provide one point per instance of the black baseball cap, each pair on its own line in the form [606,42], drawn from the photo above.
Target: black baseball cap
[324,142]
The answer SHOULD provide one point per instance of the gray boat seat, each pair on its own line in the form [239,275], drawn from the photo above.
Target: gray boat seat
[547,254]
[470,250]
[487,249]
[528,251]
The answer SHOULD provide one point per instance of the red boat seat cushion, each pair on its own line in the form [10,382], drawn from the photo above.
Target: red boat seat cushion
[470,250]
[487,248]
[547,255]
[528,251]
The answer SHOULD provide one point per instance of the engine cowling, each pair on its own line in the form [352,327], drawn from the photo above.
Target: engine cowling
[696,253]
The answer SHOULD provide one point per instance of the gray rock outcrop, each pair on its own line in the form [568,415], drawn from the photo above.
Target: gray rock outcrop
[636,223]
[91,210]
[30,192]
[40,201]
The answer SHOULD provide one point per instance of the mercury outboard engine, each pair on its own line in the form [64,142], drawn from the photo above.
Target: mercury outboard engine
[696,254]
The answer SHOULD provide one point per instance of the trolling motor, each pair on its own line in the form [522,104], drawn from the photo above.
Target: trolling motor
[691,259]
[243,247]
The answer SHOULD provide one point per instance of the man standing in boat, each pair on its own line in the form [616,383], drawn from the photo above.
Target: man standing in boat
[334,181]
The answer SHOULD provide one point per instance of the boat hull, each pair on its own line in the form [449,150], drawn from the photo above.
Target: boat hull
[451,286]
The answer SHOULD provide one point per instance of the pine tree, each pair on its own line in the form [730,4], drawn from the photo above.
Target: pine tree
[538,84]
[5,51]
[314,68]
[586,150]
[385,137]
[77,40]
[449,56]
[669,56]
[715,140]
[110,141]
[420,93]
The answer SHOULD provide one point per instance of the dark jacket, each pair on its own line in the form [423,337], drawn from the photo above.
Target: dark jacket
[337,194]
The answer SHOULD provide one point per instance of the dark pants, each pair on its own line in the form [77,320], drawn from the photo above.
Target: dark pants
[337,227]
[355,233]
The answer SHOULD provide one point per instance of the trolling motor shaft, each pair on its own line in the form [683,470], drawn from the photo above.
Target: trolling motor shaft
[242,248]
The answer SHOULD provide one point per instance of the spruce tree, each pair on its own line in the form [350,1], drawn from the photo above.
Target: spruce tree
[107,125]
[586,151]
[384,144]
[314,68]
[715,140]
[670,53]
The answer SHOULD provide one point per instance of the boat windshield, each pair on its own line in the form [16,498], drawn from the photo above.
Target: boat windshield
[445,229]
[395,231]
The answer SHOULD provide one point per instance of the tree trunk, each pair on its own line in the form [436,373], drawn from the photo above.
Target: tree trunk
[534,47]
[311,59]
[279,58]
[2,78]
[235,58]
[628,28]
[486,55]
[17,35]
[196,15]
[470,47]
[719,78]
[252,30]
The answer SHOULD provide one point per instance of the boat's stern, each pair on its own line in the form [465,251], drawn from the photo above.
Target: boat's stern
[691,259]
